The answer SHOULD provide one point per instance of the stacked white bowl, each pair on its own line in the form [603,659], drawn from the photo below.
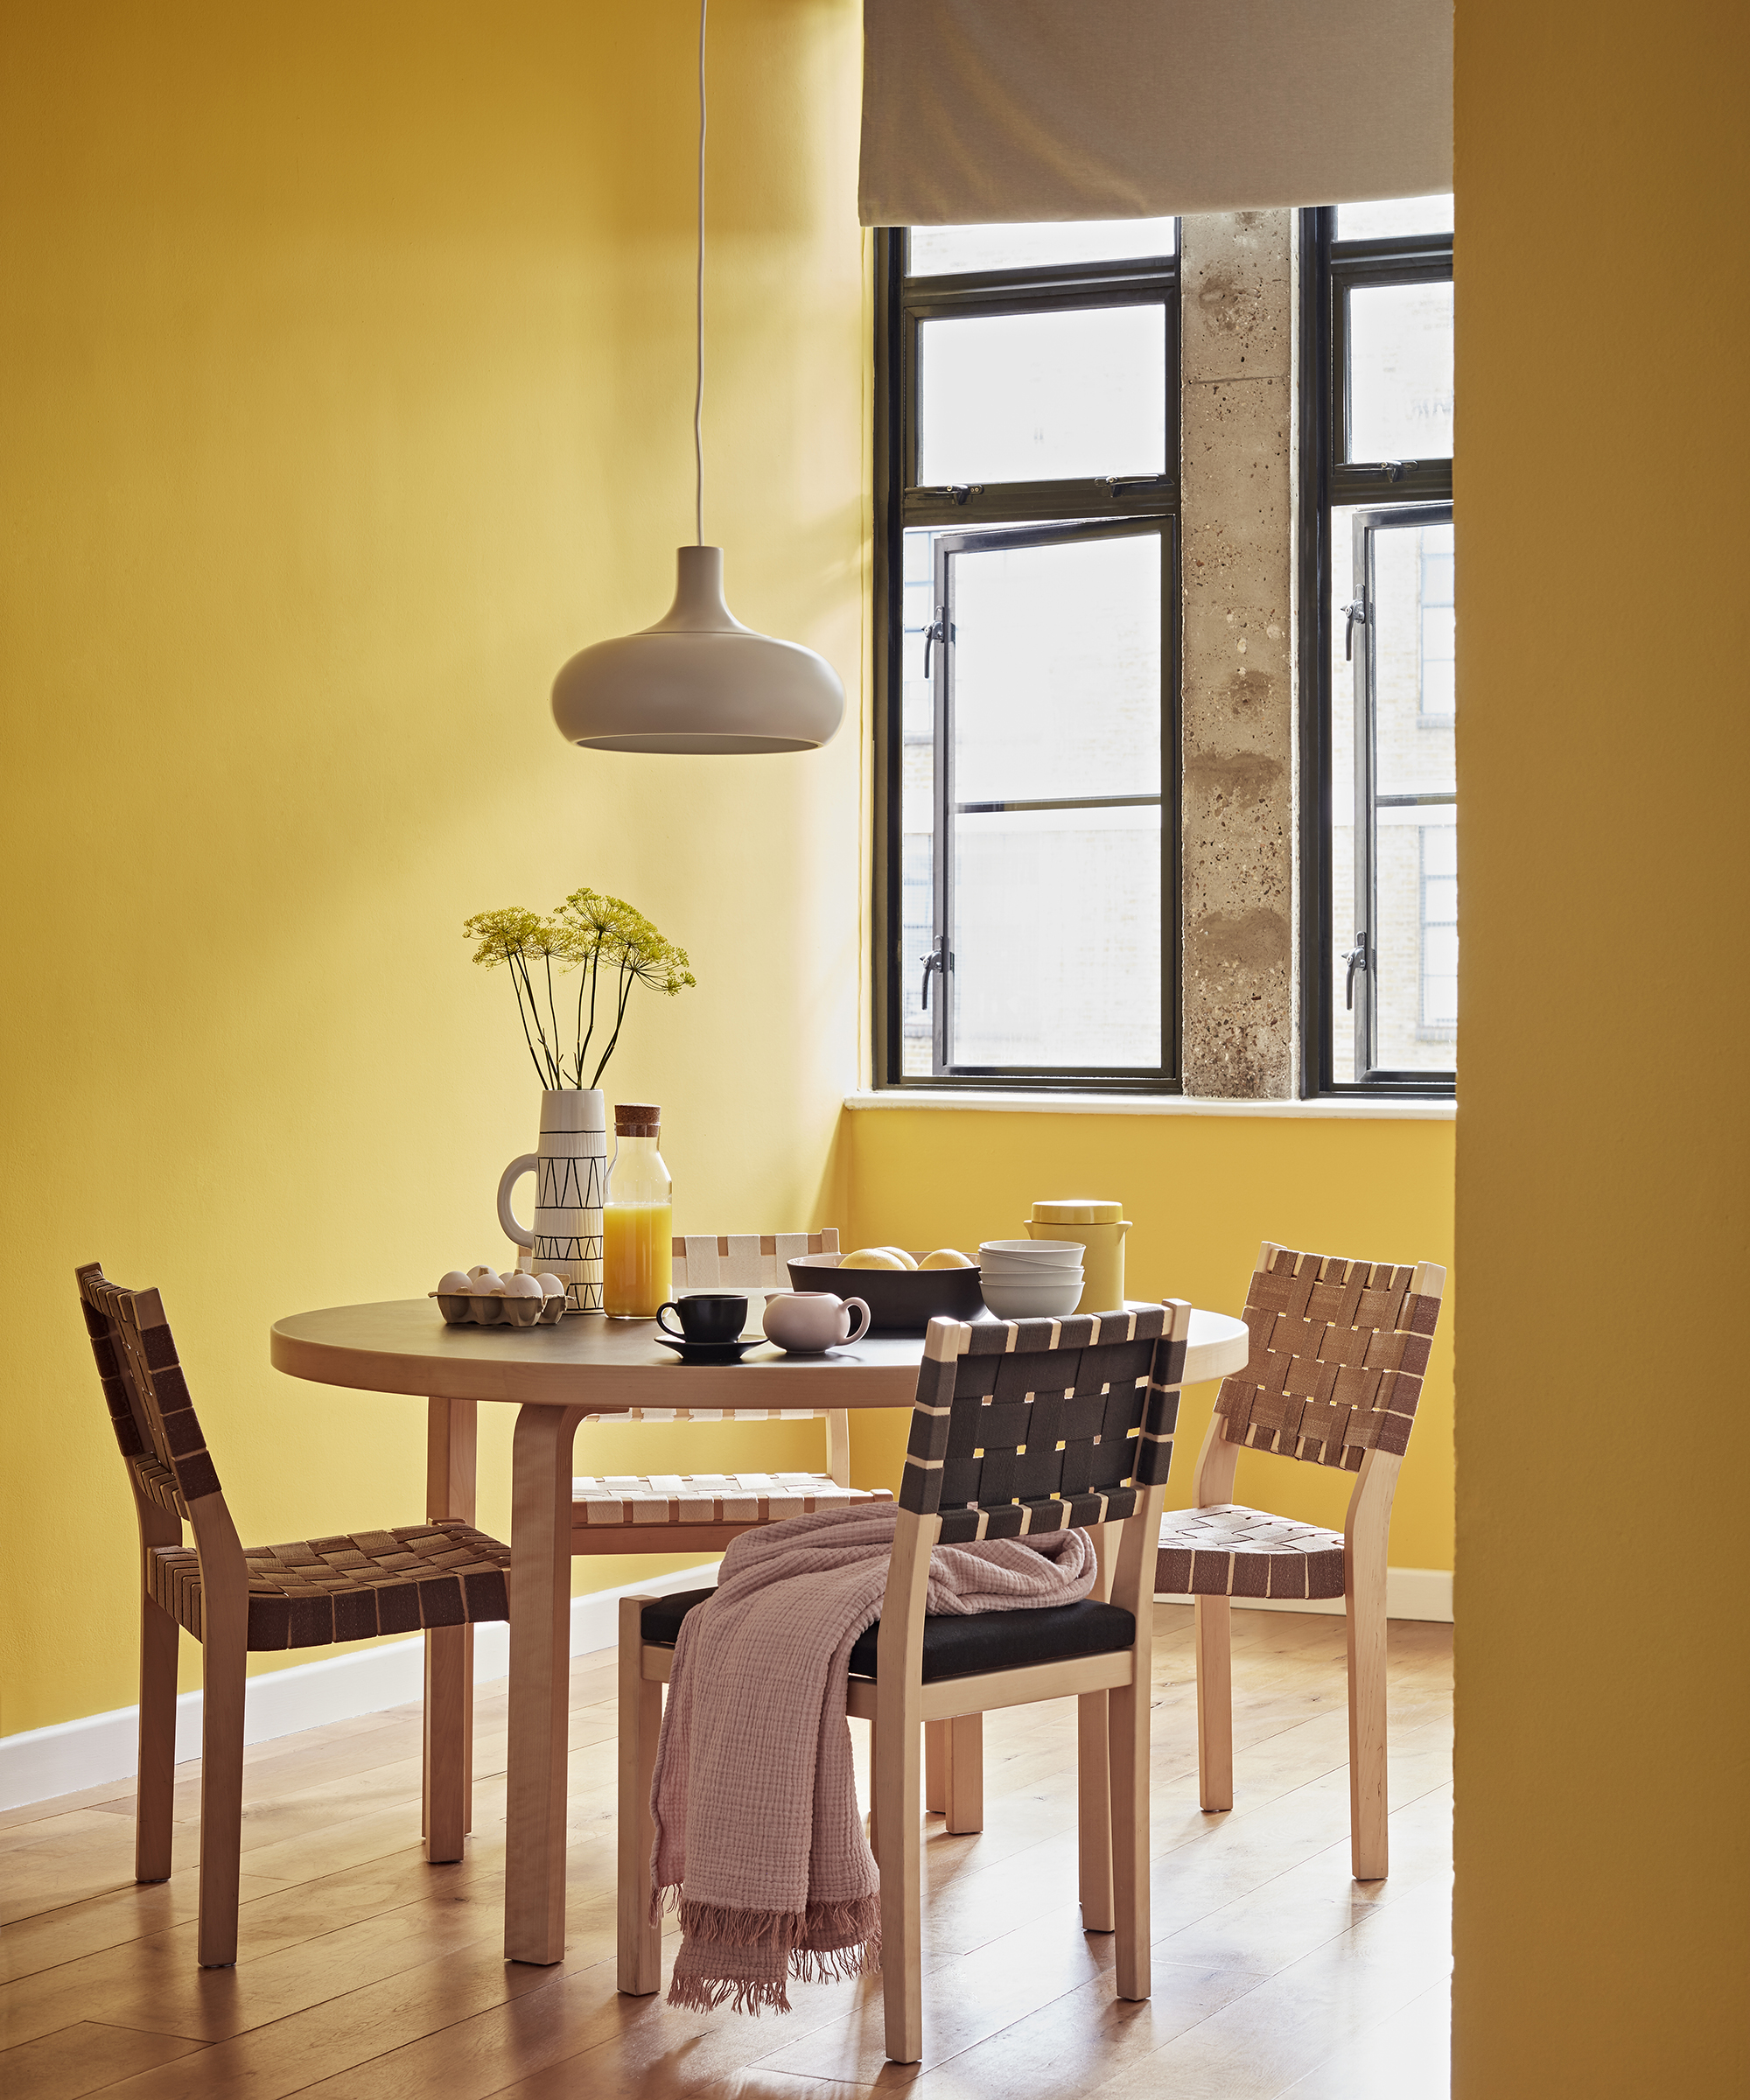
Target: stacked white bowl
[1031,1279]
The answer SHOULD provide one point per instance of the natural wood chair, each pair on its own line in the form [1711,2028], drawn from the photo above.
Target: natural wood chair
[439,1577]
[1338,1350]
[1018,1427]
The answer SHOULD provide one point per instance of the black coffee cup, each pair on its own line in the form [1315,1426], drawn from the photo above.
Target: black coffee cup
[709,1319]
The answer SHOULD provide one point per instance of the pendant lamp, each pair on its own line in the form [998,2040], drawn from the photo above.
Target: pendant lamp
[698,681]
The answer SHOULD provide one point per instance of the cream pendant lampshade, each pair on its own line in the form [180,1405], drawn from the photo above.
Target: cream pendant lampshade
[698,680]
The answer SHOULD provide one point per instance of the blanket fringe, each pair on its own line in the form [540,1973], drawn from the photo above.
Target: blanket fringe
[836,1964]
[705,1994]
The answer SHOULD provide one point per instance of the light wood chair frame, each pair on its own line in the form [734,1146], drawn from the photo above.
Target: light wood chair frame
[898,1704]
[1367,1529]
[167,1487]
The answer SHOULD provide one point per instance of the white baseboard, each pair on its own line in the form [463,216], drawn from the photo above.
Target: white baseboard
[1409,1594]
[64,1758]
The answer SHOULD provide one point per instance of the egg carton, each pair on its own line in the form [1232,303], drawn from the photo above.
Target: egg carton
[493,1307]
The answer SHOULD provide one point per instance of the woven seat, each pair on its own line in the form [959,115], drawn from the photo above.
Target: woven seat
[1234,1552]
[315,1592]
[709,1498]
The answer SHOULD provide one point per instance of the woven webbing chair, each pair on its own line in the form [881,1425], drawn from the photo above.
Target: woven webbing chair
[1019,1427]
[672,1513]
[1338,1350]
[438,1577]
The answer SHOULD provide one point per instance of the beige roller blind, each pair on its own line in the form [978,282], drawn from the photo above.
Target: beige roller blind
[976,111]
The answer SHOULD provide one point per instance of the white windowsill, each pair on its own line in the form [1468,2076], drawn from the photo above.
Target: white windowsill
[1355,1107]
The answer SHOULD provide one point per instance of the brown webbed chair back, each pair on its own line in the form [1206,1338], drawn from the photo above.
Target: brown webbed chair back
[1339,1349]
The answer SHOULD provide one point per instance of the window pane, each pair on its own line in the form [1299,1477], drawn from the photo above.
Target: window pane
[1043,396]
[941,251]
[1057,670]
[1057,939]
[1416,940]
[1400,375]
[917,807]
[1394,218]
[1412,658]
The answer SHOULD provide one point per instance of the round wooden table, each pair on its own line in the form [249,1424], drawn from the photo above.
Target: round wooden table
[556,1377]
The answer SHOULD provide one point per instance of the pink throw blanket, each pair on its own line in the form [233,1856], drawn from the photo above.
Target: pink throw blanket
[758,1835]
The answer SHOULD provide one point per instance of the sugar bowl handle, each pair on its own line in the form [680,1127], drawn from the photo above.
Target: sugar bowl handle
[862,1328]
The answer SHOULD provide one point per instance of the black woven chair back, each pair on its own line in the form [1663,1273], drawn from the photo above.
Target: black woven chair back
[1031,1425]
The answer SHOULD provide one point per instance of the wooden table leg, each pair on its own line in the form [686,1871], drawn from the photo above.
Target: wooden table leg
[447,1792]
[1093,1783]
[540,1682]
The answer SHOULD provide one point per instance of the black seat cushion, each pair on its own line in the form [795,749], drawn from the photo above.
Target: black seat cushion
[956,1646]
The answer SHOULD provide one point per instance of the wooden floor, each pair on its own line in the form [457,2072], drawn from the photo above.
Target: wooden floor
[365,1974]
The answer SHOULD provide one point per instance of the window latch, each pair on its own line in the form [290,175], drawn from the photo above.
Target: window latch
[1115,482]
[956,491]
[940,957]
[1355,614]
[937,632]
[1356,959]
[1392,469]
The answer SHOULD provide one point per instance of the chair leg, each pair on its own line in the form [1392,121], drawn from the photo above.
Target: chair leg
[1214,1704]
[640,1961]
[449,1670]
[963,1786]
[1094,1811]
[1093,1776]
[223,1652]
[1128,1720]
[1368,1843]
[838,1445]
[935,1767]
[897,1789]
[153,1810]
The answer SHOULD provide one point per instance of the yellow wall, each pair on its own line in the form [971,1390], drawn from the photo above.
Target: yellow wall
[1603,1154]
[348,377]
[1201,1192]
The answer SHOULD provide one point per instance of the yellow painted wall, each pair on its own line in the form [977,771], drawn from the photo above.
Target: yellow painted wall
[1604,1141]
[347,360]
[1201,1192]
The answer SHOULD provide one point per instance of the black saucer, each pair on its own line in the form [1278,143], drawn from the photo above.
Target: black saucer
[707,1352]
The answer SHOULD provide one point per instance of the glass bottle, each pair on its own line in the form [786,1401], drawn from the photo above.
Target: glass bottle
[638,1219]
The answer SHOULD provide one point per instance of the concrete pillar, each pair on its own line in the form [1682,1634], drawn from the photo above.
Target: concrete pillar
[1238,291]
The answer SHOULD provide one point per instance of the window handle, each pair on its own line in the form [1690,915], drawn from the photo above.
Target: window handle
[1355,614]
[957,492]
[938,958]
[1356,959]
[937,630]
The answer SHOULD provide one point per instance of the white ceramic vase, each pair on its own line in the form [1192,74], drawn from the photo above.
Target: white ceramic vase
[571,1181]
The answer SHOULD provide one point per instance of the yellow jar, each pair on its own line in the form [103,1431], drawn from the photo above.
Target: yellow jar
[638,1221]
[1099,1226]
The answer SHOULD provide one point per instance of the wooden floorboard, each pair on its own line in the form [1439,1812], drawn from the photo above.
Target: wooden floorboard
[364,1974]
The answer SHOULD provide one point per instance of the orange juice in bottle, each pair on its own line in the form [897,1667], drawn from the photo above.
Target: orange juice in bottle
[638,1220]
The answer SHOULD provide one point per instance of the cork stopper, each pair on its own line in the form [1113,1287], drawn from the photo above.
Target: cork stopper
[636,1119]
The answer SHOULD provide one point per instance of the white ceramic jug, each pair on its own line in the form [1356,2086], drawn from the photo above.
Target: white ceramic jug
[808,1322]
[571,1181]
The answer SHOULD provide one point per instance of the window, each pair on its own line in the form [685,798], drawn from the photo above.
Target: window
[1377,669]
[1026,663]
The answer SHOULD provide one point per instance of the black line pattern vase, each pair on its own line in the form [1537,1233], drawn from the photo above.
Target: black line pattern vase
[571,1180]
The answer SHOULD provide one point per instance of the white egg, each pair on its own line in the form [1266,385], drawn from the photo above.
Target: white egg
[452,1284]
[520,1286]
[482,1280]
[551,1285]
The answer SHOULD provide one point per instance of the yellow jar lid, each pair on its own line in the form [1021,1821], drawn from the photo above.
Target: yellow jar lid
[1078,1210]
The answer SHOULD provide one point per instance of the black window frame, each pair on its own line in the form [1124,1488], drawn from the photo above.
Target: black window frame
[901,305]
[1329,269]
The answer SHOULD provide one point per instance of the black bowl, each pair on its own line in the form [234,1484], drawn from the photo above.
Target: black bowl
[900,1301]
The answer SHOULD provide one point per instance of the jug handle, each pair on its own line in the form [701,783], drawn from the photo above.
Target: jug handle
[525,1163]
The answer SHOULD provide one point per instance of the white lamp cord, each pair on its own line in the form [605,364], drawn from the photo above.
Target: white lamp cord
[699,312]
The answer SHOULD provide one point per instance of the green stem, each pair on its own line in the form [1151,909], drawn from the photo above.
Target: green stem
[517,988]
[583,1048]
[627,981]
[551,1078]
[547,962]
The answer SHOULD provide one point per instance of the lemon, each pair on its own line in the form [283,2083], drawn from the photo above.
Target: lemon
[872,1257]
[906,1260]
[947,1257]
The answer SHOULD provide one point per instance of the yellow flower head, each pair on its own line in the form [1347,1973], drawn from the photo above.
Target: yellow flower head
[502,935]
